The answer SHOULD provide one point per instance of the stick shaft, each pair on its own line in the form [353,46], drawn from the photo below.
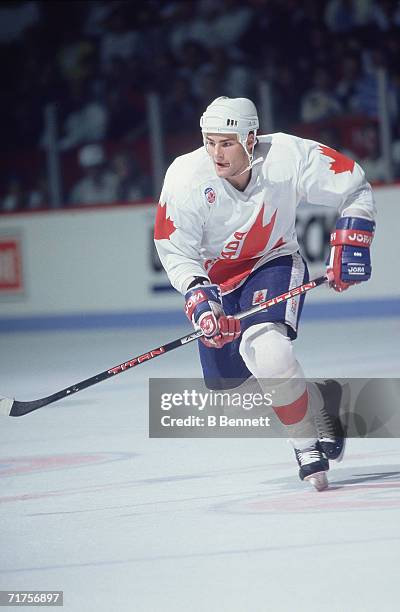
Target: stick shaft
[20,408]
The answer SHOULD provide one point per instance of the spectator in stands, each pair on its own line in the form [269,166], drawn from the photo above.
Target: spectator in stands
[208,23]
[285,104]
[373,163]
[235,78]
[132,183]
[96,17]
[97,60]
[38,196]
[366,97]
[75,58]
[119,40]
[14,198]
[319,102]
[345,89]
[86,121]
[180,97]
[193,64]
[209,89]
[386,14]
[345,15]
[125,100]
[163,65]
[98,184]
[317,50]
[16,18]
[184,22]
[231,23]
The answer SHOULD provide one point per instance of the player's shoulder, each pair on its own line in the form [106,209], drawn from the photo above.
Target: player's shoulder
[282,157]
[190,170]
[283,144]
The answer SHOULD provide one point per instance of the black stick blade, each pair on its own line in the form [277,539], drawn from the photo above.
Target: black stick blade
[21,408]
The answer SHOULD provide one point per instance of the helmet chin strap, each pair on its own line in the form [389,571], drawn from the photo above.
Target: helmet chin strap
[251,165]
[250,156]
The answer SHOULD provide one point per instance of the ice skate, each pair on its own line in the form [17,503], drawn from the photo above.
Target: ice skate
[313,466]
[331,419]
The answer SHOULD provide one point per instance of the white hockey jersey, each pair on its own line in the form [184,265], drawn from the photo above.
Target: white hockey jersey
[206,227]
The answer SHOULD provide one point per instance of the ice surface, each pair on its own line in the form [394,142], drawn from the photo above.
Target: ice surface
[91,506]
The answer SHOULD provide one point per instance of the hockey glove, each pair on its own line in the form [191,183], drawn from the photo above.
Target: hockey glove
[349,261]
[203,307]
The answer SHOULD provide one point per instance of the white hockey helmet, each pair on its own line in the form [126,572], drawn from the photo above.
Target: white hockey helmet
[231,116]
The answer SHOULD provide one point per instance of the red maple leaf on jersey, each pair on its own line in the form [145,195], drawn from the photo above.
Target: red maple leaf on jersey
[257,237]
[164,226]
[230,272]
[340,162]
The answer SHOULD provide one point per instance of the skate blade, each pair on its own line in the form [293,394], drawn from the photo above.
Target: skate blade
[318,480]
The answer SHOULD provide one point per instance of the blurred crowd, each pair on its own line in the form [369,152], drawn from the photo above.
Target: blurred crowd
[97,60]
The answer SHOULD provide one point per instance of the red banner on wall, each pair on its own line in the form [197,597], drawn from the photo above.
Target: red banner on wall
[10,265]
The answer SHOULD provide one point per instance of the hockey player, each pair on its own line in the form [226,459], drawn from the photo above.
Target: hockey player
[225,234]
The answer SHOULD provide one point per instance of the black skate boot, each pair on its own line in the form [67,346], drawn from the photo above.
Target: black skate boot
[331,429]
[313,466]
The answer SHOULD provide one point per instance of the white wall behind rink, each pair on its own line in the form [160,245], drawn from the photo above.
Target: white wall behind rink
[99,261]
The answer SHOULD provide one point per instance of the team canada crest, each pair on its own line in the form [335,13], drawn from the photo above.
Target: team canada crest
[210,195]
[259,296]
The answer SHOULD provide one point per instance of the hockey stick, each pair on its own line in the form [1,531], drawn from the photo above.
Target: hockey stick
[12,407]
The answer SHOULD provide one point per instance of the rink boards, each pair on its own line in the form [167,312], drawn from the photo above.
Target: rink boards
[97,265]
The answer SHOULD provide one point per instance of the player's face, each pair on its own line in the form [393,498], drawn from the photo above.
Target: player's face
[227,154]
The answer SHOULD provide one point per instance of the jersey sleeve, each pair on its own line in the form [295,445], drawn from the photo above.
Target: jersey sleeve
[332,179]
[178,231]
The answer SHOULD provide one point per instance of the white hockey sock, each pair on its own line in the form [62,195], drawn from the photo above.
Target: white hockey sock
[268,354]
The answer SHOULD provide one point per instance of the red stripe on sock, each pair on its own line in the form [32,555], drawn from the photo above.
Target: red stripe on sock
[294,412]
